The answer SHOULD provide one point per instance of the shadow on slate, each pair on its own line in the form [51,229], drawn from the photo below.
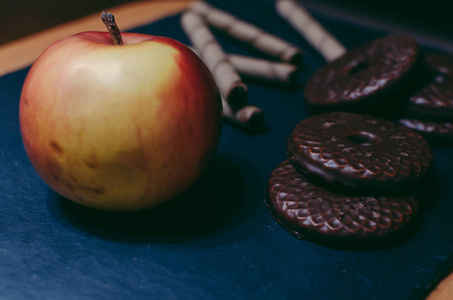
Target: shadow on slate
[207,205]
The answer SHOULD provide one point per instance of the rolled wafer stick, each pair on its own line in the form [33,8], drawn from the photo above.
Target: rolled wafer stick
[249,33]
[230,84]
[248,117]
[315,34]
[263,69]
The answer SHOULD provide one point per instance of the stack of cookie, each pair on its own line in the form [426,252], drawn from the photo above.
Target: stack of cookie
[350,180]
[393,78]
[389,77]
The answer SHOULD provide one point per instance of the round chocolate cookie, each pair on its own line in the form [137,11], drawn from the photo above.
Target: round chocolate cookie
[314,213]
[437,132]
[359,153]
[363,77]
[433,101]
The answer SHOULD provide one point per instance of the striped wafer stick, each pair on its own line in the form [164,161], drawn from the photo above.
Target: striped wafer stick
[265,70]
[249,33]
[230,84]
[315,34]
[262,69]
[248,117]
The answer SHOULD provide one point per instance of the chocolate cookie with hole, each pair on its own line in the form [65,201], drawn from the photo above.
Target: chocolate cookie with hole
[439,133]
[371,75]
[359,153]
[429,110]
[433,100]
[309,211]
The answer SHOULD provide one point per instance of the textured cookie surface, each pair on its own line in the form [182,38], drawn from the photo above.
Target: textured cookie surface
[438,132]
[433,100]
[312,212]
[359,153]
[364,76]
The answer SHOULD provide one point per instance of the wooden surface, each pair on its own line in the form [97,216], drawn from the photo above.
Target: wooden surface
[444,291]
[21,53]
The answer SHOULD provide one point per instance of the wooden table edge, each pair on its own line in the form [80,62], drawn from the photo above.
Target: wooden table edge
[23,52]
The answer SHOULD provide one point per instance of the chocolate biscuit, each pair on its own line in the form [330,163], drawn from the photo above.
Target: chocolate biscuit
[435,132]
[312,212]
[364,77]
[433,99]
[359,153]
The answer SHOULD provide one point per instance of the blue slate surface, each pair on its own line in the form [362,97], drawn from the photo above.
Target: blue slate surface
[217,241]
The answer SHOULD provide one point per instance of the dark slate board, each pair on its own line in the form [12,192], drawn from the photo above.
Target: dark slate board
[218,240]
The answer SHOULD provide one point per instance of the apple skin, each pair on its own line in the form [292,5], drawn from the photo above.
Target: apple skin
[119,127]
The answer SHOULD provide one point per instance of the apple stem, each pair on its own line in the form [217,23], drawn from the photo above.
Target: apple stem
[109,21]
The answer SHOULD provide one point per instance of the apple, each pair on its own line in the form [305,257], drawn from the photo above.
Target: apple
[119,127]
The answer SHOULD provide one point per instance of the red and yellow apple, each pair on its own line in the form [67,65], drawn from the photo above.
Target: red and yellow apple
[119,127]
